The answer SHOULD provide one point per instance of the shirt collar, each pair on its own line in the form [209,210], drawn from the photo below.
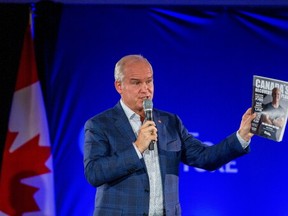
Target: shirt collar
[129,113]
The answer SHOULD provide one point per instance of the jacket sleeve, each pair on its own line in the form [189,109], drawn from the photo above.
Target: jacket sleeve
[196,153]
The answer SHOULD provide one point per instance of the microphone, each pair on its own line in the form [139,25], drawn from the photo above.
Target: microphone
[148,109]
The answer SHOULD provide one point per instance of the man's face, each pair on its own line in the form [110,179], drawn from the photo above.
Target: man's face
[136,86]
[276,94]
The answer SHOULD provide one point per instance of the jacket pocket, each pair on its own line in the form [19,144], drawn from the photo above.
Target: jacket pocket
[174,145]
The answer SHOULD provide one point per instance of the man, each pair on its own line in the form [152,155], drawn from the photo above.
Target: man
[130,178]
[273,112]
[274,115]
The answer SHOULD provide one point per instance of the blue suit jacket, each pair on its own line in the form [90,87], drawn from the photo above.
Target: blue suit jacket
[113,166]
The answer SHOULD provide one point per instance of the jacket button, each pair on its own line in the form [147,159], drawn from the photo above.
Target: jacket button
[145,214]
[146,190]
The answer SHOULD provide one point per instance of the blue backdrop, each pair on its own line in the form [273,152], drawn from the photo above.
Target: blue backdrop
[204,59]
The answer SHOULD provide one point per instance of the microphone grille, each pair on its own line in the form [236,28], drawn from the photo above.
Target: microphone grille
[148,104]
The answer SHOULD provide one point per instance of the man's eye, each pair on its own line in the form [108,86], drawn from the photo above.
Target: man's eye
[136,83]
[149,81]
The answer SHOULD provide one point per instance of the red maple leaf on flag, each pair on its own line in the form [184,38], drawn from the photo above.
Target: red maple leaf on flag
[27,161]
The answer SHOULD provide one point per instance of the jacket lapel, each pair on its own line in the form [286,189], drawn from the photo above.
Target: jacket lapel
[122,124]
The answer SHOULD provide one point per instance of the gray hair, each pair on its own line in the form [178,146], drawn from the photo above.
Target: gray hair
[123,62]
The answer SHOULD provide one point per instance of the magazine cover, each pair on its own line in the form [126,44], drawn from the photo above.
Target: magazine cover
[270,102]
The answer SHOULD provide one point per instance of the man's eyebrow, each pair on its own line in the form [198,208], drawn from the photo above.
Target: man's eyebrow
[134,79]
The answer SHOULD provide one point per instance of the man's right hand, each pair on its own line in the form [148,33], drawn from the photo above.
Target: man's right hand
[146,134]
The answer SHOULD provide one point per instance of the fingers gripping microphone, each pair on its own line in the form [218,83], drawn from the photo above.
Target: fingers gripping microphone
[148,109]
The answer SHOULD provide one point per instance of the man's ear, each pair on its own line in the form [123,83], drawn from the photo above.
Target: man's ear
[118,86]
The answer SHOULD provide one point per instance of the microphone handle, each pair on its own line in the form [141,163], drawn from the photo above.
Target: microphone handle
[151,145]
[150,118]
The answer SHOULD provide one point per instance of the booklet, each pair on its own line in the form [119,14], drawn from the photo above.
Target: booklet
[270,102]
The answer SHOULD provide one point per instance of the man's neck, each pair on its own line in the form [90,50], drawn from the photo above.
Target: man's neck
[275,104]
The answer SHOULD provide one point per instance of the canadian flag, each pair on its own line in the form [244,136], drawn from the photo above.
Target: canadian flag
[26,186]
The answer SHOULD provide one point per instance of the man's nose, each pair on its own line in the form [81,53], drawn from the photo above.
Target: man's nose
[144,86]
